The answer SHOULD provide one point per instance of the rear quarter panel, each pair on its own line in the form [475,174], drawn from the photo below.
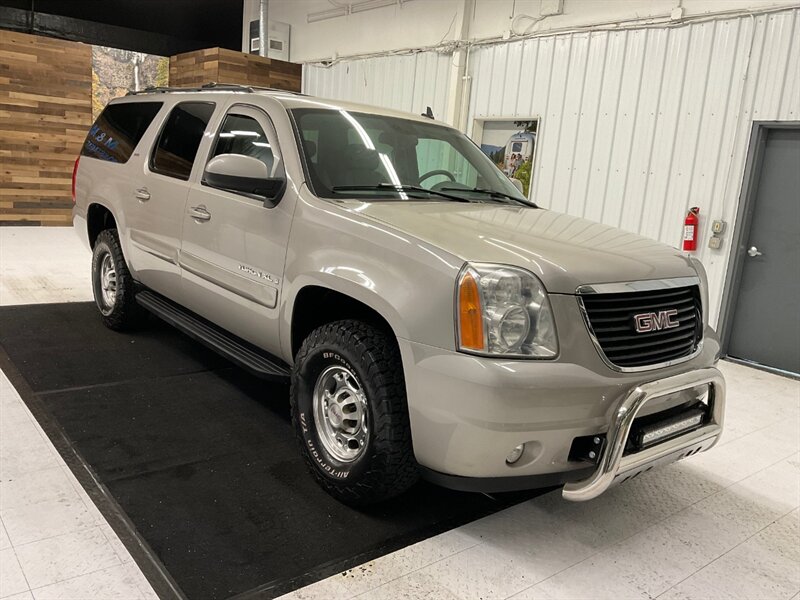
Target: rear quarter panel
[109,184]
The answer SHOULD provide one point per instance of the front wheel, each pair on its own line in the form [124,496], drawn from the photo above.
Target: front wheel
[350,413]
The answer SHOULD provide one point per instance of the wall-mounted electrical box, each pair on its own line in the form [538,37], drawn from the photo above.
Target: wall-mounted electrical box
[278,39]
[551,7]
[717,229]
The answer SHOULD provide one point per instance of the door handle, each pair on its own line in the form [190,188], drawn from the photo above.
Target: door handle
[142,195]
[753,251]
[199,213]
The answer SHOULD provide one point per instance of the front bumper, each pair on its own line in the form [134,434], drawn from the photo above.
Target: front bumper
[615,467]
[468,412]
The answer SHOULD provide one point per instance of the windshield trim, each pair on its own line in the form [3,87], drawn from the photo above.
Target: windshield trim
[400,190]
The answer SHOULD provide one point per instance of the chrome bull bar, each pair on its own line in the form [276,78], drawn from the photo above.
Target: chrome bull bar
[614,466]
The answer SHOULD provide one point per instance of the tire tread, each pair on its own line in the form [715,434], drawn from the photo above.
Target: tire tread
[127,314]
[392,467]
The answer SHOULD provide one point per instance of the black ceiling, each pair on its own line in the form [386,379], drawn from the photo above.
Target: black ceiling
[176,25]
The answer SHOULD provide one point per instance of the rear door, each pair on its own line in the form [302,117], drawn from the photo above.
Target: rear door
[154,223]
[233,254]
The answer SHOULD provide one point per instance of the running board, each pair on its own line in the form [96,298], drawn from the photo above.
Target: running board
[228,345]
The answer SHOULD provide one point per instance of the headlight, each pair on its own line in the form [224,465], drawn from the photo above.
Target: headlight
[505,311]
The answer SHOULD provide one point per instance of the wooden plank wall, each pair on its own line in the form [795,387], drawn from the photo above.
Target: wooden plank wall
[45,112]
[220,65]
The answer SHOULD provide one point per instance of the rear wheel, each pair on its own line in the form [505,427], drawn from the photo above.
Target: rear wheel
[113,285]
[350,413]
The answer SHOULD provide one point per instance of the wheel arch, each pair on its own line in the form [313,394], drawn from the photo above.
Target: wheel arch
[316,303]
[98,218]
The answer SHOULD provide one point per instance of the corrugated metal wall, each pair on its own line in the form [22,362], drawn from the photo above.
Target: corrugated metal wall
[639,125]
[403,82]
[636,126]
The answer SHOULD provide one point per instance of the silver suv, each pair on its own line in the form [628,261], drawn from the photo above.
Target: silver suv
[432,320]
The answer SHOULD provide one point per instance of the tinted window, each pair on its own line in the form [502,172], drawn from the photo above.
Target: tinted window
[243,135]
[117,131]
[177,145]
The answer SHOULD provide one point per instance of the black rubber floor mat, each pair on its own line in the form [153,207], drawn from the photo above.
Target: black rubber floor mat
[201,457]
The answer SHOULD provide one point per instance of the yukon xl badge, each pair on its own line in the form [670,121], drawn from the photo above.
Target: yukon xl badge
[259,274]
[656,321]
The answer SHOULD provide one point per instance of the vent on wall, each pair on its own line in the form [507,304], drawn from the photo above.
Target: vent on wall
[278,47]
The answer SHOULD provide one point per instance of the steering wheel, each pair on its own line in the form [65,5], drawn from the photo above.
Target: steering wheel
[435,172]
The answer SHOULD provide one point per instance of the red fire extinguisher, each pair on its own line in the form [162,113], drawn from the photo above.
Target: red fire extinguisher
[690,230]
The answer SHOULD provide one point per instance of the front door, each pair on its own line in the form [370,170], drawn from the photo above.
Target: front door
[234,247]
[766,327]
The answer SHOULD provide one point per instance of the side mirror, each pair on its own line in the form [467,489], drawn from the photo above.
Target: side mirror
[245,175]
[518,184]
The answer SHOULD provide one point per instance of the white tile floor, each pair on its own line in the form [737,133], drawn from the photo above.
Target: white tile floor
[54,543]
[724,524]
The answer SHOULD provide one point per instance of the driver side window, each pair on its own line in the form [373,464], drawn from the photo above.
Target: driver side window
[241,134]
[436,155]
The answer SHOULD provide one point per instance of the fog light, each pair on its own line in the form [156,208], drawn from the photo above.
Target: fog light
[515,454]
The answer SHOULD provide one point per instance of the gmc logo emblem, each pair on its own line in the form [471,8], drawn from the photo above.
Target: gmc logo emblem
[656,321]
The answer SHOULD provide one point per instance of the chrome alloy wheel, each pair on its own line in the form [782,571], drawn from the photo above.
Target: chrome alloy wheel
[340,413]
[108,281]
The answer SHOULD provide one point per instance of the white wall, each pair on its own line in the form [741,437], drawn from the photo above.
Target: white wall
[408,82]
[636,126]
[423,23]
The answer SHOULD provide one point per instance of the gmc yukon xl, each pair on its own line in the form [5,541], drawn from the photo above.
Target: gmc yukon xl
[433,321]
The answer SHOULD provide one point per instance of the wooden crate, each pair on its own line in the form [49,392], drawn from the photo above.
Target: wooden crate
[220,65]
[45,112]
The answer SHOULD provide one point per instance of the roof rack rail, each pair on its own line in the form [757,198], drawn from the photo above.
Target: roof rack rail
[211,87]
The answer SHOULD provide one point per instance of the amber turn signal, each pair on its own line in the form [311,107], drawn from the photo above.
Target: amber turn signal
[470,314]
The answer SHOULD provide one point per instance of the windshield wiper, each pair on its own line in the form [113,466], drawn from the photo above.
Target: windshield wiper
[493,194]
[396,188]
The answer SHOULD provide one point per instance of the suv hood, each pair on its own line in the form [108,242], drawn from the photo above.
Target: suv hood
[562,250]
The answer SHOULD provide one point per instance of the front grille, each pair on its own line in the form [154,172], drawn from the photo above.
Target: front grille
[610,318]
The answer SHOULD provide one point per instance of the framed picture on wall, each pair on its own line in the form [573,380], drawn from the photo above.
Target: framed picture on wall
[511,144]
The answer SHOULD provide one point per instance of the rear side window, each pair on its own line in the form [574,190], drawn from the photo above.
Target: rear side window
[118,129]
[177,145]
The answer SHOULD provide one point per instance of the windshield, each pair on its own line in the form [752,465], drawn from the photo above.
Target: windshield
[374,157]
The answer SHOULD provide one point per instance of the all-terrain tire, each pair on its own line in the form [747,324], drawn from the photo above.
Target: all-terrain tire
[122,312]
[386,467]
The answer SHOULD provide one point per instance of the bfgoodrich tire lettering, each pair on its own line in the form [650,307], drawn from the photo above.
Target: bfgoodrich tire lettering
[113,285]
[386,466]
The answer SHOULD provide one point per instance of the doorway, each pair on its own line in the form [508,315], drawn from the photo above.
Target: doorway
[763,325]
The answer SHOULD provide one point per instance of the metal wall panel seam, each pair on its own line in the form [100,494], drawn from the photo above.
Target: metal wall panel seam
[668,182]
[577,123]
[545,126]
[700,125]
[794,56]
[614,124]
[715,197]
[541,136]
[624,191]
[656,114]
[604,37]
[560,92]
